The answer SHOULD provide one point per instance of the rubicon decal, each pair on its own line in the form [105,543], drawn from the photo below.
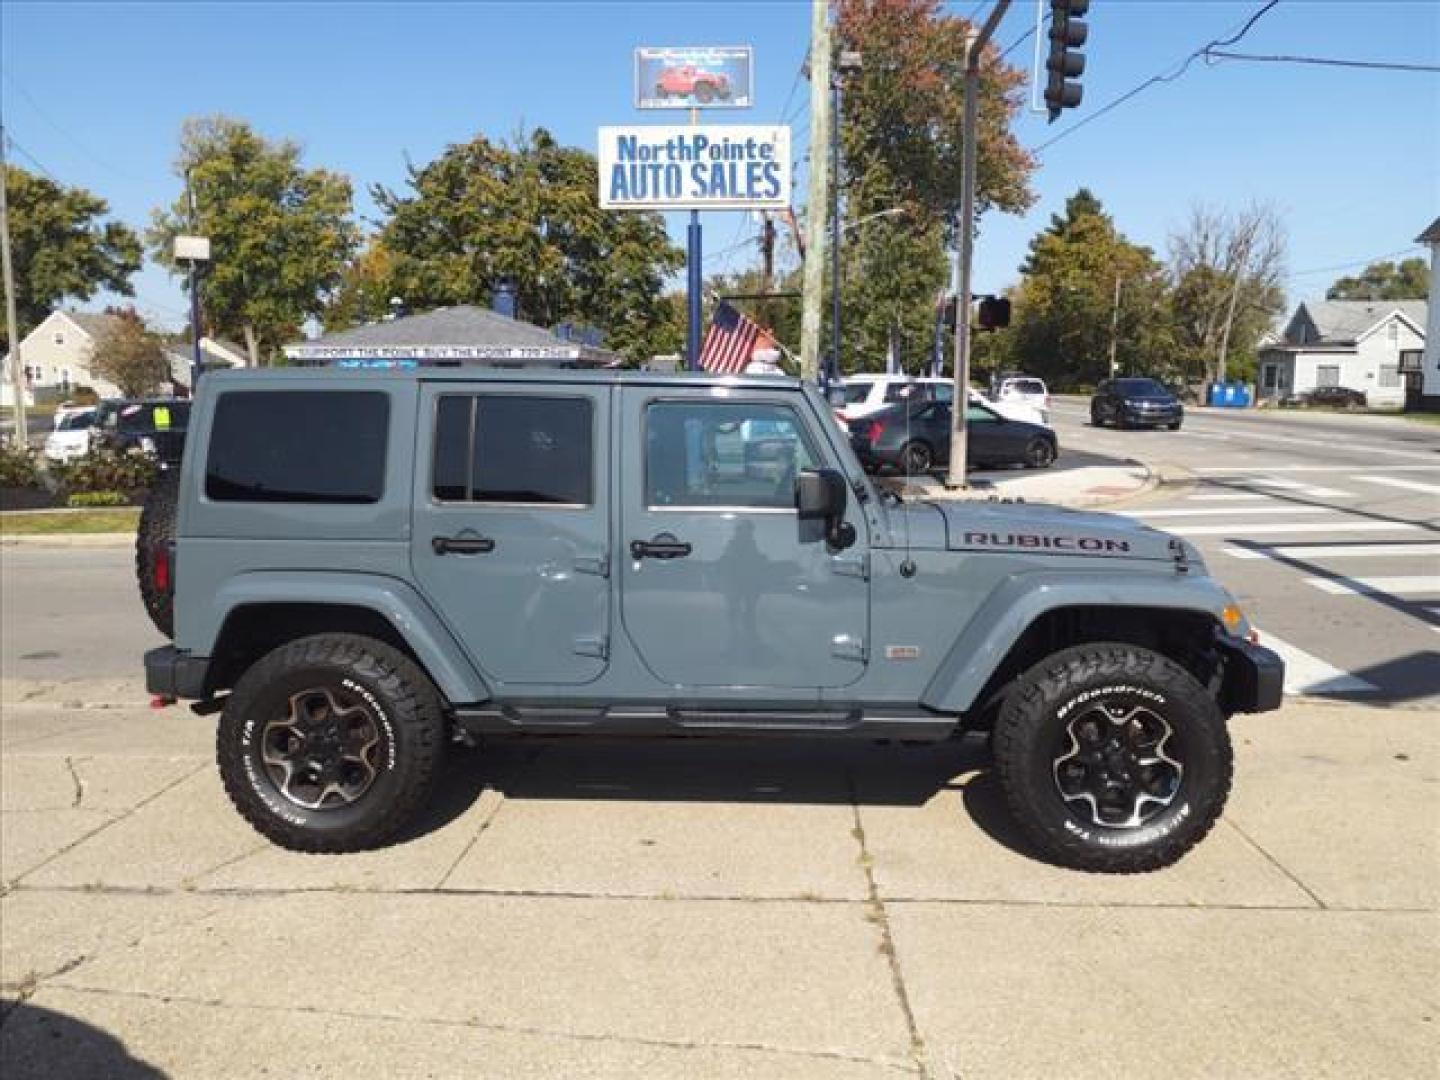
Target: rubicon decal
[1035,541]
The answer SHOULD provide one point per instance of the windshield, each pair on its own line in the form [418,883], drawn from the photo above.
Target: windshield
[1137,387]
[1026,386]
[77,421]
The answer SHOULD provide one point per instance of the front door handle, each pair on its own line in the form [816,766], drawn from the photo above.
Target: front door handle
[462,545]
[664,546]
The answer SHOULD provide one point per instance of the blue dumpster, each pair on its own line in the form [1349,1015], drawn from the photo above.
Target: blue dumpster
[1230,395]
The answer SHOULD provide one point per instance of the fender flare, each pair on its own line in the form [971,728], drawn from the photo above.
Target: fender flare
[1024,597]
[392,599]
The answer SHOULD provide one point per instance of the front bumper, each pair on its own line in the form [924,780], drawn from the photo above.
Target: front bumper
[174,673]
[1254,677]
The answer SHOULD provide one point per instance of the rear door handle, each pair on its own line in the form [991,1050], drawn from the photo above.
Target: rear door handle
[664,546]
[462,545]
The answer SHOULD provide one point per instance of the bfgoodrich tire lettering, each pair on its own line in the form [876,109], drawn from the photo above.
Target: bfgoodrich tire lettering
[1109,690]
[321,688]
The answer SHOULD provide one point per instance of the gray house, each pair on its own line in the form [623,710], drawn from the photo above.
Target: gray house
[458,335]
[1369,345]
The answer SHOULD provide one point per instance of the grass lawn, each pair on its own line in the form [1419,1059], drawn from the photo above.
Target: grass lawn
[62,522]
[1422,417]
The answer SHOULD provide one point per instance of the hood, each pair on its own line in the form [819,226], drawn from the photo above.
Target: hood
[1034,529]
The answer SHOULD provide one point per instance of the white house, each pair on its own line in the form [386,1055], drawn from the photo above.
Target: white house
[56,358]
[1430,365]
[1366,345]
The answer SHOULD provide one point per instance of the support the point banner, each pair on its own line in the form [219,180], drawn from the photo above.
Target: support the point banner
[709,167]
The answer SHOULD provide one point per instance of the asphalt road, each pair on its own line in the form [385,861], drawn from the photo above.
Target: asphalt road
[1325,527]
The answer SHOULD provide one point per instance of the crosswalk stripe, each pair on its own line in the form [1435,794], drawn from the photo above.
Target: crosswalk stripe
[1335,551]
[1307,674]
[1299,488]
[1232,511]
[1226,496]
[1396,482]
[1242,470]
[1372,586]
[1277,528]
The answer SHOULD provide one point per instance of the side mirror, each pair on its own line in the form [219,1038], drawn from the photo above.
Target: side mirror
[821,495]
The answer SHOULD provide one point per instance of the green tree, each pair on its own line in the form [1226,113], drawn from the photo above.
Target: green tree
[61,248]
[130,355]
[280,233]
[1407,280]
[1066,309]
[901,121]
[529,211]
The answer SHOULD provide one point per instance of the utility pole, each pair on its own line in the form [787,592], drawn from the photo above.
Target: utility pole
[1114,324]
[17,373]
[959,430]
[196,359]
[833,368]
[813,288]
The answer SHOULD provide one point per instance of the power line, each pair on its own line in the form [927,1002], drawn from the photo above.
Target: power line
[32,159]
[40,112]
[1326,61]
[1357,262]
[1164,77]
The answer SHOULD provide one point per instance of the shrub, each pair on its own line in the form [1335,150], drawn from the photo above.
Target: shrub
[81,500]
[106,469]
[19,467]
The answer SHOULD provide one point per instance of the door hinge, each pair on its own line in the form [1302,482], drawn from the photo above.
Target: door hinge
[593,564]
[848,647]
[596,645]
[854,566]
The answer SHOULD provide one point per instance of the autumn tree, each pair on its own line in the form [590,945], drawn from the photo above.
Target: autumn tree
[61,247]
[1066,309]
[1406,280]
[901,125]
[130,355]
[280,233]
[528,210]
[1227,269]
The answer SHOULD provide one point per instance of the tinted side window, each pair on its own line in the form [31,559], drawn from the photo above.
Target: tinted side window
[316,446]
[511,448]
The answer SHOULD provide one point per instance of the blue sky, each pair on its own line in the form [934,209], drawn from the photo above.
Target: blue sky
[96,94]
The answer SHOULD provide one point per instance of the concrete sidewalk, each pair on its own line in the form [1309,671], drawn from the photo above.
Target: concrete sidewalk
[684,908]
[1077,486]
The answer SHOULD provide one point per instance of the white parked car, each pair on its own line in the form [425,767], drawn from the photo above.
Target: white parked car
[72,437]
[867,394]
[1025,389]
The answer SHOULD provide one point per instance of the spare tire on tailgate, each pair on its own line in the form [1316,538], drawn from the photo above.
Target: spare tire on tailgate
[154,551]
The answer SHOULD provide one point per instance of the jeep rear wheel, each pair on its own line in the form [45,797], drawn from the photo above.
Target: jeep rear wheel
[331,743]
[1112,758]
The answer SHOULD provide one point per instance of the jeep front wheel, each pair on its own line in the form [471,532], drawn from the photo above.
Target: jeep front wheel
[1112,758]
[331,743]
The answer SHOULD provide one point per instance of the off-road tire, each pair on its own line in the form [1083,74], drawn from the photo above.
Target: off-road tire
[1033,721]
[407,715]
[155,534]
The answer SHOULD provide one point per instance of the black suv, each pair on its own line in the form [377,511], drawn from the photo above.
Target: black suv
[155,426]
[1135,402]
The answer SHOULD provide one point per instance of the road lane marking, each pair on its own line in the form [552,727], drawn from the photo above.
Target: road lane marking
[1299,488]
[1307,674]
[1244,470]
[1397,585]
[1241,531]
[1334,551]
[1231,511]
[1396,482]
[1362,448]
[1226,496]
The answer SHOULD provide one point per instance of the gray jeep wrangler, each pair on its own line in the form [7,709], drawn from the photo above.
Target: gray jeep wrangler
[364,566]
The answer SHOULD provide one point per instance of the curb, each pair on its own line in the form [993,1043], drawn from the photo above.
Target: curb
[70,540]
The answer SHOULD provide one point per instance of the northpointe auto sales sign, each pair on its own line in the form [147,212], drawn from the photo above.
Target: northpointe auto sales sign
[712,167]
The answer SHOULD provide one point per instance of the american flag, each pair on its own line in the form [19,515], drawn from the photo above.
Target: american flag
[729,341]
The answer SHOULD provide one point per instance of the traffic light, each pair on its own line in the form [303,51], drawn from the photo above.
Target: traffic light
[994,313]
[1067,33]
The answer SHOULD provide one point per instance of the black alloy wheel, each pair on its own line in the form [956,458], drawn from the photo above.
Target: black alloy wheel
[917,458]
[1039,453]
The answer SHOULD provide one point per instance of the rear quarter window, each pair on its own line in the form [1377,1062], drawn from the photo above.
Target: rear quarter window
[298,446]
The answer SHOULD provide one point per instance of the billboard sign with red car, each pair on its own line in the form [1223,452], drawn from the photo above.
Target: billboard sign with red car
[694,77]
